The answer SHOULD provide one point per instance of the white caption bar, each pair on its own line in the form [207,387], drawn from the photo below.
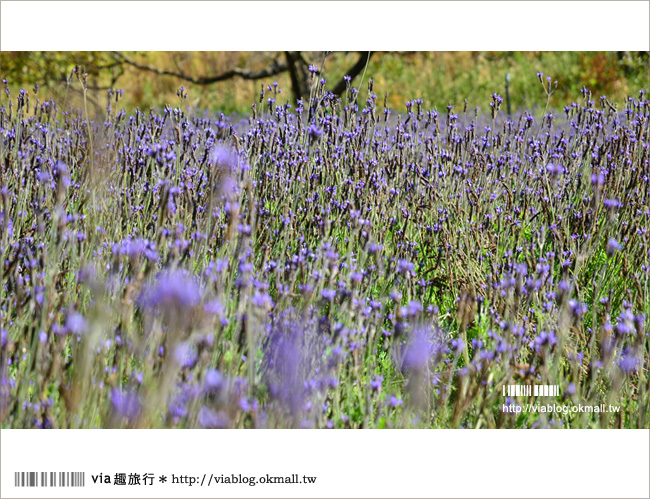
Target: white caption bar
[322,463]
[263,25]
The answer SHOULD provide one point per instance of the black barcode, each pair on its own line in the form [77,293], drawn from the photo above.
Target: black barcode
[49,479]
[527,390]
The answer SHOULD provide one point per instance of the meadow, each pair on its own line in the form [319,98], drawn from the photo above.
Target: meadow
[338,263]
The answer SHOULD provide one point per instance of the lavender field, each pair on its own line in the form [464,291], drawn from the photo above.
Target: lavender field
[331,264]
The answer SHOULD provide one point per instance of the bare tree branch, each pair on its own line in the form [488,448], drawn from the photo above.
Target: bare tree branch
[353,71]
[276,67]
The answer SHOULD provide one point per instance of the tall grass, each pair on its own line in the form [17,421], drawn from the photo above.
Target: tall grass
[336,264]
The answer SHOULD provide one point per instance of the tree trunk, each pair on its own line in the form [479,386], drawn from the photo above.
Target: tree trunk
[299,74]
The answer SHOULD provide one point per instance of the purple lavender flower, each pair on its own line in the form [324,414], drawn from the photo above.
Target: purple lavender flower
[628,361]
[457,346]
[405,267]
[224,157]
[578,309]
[613,246]
[214,307]
[373,248]
[172,289]
[425,346]
[136,247]
[213,419]
[213,381]
[623,328]
[62,177]
[185,354]
[263,301]
[295,372]
[612,203]
[75,324]
[125,403]
[545,339]
[553,170]
[395,401]
[376,382]
[314,133]
[597,179]
[228,187]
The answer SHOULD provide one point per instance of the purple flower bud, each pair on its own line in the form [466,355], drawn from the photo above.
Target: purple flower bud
[373,248]
[213,307]
[597,179]
[186,355]
[613,246]
[553,170]
[405,267]
[545,339]
[172,288]
[356,277]
[457,346]
[578,309]
[314,133]
[263,300]
[224,157]
[395,402]
[75,324]
[212,419]
[423,347]
[375,383]
[628,361]
[213,381]
[125,403]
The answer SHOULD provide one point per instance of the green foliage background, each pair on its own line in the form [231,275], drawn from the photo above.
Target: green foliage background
[440,78]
